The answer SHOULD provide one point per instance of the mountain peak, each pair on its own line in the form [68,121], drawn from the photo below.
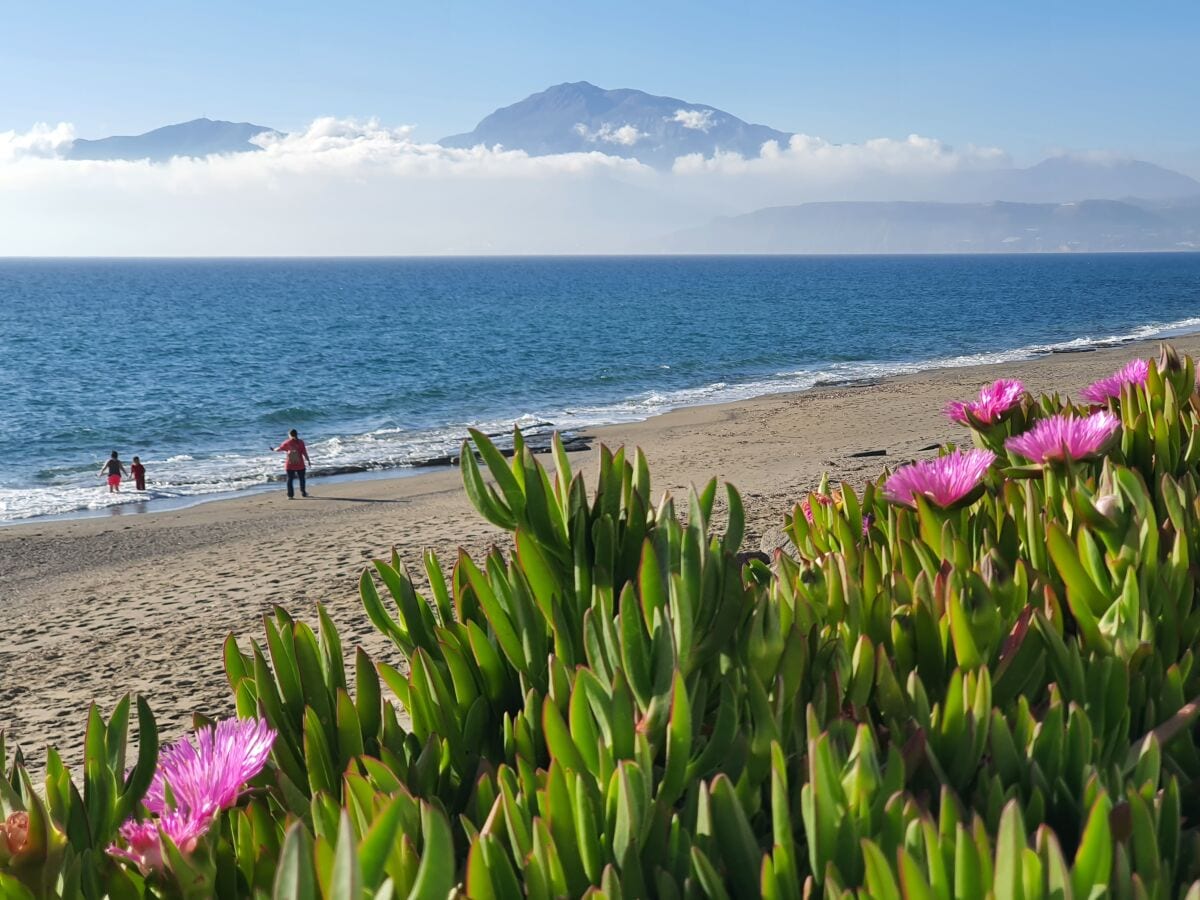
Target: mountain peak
[580,117]
[576,86]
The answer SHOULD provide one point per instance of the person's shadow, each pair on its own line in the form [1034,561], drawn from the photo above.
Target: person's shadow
[356,499]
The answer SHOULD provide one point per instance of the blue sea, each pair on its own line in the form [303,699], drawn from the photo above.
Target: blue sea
[199,366]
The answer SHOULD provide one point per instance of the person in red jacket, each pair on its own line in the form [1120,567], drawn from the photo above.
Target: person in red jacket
[297,458]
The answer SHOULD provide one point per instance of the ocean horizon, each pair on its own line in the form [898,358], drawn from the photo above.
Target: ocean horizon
[199,365]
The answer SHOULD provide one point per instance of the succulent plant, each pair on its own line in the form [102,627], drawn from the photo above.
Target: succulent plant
[993,693]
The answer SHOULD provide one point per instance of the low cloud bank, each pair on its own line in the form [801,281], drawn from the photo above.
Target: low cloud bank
[344,187]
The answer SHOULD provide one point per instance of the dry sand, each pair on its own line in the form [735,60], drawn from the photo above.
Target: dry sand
[92,608]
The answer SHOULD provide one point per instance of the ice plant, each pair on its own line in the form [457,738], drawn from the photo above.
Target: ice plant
[944,481]
[1134,373]
[201,780]
[1066,437]
[995,401]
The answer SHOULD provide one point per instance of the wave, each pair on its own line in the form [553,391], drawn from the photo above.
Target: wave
[291,415]
[831,374]
[185,478]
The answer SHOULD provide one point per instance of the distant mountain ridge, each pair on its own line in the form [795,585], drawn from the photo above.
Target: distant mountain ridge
[916,227]
[581,117]
[1069,177]
[199,137]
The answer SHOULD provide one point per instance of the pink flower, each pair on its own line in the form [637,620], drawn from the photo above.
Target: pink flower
[209,779]
[945,481]
[995,400]
[143,843]
[1100,391]
[806,507]
[1066,437]
[203,779]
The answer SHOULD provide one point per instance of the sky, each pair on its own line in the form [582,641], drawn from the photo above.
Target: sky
[1031,77]
[364,89]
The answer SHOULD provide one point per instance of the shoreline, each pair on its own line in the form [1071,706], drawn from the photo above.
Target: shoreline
[97,606]
[145,506]
[138,505]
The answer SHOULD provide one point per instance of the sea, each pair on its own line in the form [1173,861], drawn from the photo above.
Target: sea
[201,366]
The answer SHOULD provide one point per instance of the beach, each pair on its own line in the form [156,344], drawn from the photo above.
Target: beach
[96,607]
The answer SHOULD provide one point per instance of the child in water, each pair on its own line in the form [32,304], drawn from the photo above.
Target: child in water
[138,471]
[114,469]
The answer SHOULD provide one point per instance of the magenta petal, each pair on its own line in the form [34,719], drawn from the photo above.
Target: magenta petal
[956,411]
[1065,437]
[209,777]
[944,481]
[994,402]
[203,779]
[806,506]
[143,843]
[1101,391]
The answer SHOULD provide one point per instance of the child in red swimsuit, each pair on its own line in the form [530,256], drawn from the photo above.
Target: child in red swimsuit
[138,471]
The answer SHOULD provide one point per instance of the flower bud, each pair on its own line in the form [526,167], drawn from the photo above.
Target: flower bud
[994,570]
[16,832]
[868,521]
[1106,505]
[1168,359]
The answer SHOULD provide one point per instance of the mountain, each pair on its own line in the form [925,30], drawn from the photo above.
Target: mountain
[580,117]
[912,227]
[199,137]
[1062,178]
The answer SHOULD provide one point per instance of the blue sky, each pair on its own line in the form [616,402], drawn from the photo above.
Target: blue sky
[1027,77]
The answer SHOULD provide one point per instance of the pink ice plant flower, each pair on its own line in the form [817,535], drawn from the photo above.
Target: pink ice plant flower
[995,400]
[208,778]
[202,779]
[806,506]
[1134,372]
[143,841]
[944,481]
[1066,437]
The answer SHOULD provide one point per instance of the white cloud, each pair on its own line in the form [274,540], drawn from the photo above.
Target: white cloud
[358,187]
[696,119]
[338,187]
[625,135]
[39,141]
[328,148]
[1096,157]
[806,154]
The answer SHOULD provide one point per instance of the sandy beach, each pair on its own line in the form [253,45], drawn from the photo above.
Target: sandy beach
[96,607]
